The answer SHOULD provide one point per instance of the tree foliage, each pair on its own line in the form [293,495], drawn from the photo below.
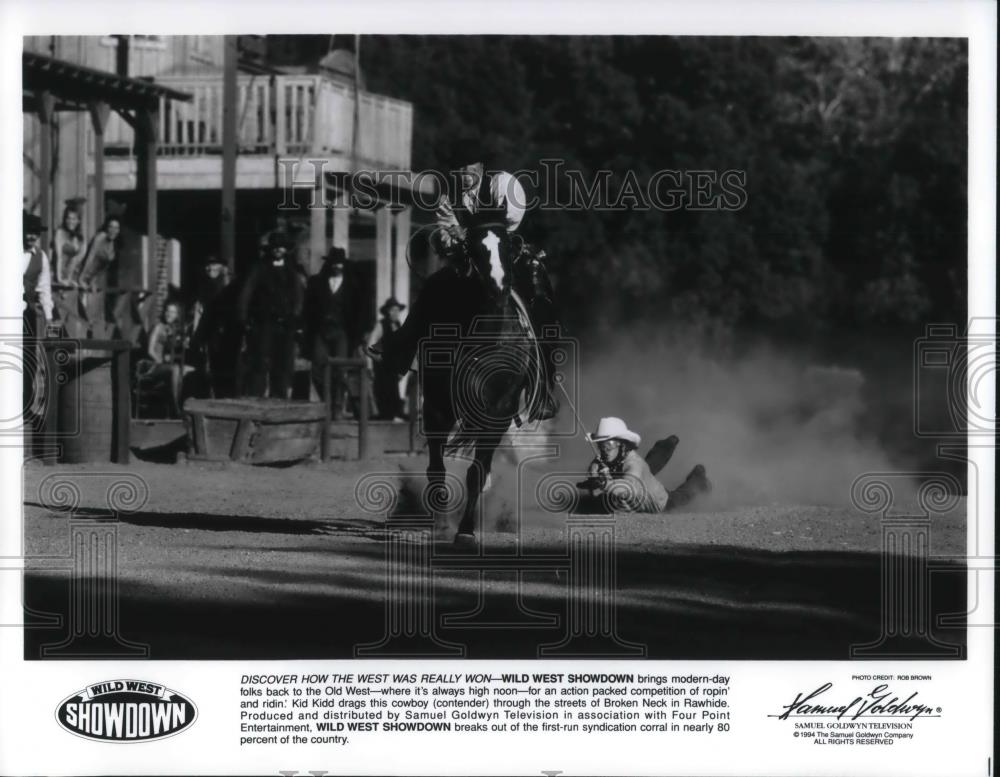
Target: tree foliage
[854,152]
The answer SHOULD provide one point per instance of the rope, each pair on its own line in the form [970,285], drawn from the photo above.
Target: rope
[525,320]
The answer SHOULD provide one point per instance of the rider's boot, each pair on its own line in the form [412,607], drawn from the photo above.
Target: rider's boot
[534,284]
[661,453]
[696,483]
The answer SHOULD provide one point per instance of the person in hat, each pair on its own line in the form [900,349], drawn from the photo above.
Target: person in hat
[388,397]
[215,340]
[269,309]
[478,192]
[37,317]
[475,189]
[627,479]
[332,329]
[37,277]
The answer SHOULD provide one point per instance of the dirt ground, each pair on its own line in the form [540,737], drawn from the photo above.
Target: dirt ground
[240,562]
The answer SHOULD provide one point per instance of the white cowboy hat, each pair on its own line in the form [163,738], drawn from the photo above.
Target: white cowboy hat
[614,429]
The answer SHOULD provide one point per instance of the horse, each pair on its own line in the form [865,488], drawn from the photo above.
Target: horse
[476,369]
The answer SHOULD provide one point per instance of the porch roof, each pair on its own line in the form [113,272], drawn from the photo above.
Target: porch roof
[75,87]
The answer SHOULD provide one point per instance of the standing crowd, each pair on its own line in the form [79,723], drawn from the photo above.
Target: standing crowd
[232,337]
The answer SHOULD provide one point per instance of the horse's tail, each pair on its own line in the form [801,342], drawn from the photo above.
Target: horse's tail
[461,442]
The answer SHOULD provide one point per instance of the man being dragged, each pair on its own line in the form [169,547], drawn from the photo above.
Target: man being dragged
[621,480]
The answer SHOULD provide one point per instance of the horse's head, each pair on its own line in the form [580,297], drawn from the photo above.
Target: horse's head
[490,255]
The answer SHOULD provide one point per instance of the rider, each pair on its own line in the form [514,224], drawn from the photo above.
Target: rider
[618,460]
[476,194]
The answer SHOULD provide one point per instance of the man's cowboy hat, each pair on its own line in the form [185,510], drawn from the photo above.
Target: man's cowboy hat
[337,255]
[466,151]
[32,224]
[614,429]
[392,302]
[474,149]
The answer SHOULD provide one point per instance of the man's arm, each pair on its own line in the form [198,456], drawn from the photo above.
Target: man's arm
[644,483]
[444,215]
[598,477]
[155,347]
[45,288]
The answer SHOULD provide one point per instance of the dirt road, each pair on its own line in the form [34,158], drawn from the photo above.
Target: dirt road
[236,562]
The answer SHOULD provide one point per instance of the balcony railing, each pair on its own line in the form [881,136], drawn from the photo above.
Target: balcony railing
[305,115]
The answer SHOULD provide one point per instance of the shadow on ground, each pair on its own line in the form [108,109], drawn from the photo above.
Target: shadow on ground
[670,602]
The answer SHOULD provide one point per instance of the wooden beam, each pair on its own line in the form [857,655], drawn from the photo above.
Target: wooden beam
[383,255]
[129,118]
[50,430]
[45,105]
[99,113]
[147,127]
[400,263]
[363,414]
[227,245]
[317,225]
[122,405]
[342,223]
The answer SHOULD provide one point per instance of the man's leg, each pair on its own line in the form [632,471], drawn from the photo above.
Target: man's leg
[320,356]
[696,483]
[258,360]
[282,360]
[337,348]
[661,453]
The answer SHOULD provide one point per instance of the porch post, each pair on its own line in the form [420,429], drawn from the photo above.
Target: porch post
[148,141]
[46,110]
[342,222]
[401,267]
[99,112]
[227,246]
[146,137]
[317,224]
[383,255]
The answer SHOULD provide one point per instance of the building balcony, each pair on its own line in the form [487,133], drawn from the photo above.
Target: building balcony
[277,117]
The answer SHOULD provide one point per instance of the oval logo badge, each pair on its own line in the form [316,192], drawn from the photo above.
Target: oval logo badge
[126,711]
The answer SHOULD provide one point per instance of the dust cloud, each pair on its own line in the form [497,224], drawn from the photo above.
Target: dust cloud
[771,427]
[768,426]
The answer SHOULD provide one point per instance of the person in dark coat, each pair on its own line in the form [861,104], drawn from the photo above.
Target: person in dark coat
[37,316]
[331,323]
[387,395]
[269,309]
[216,332]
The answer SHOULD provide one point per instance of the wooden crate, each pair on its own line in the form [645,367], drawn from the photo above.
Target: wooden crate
[253,431]
[383,437]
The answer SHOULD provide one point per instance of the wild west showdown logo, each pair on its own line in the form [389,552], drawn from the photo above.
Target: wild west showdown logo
[126,711]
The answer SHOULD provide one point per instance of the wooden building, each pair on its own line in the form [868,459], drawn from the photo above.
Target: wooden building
[284,115]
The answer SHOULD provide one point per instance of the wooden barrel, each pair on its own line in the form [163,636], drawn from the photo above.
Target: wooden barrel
[86,415]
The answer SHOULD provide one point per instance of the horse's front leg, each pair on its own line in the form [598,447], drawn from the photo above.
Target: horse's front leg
[475,479]
[435,467]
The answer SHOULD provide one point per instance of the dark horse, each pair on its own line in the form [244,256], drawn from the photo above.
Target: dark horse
[477,368]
